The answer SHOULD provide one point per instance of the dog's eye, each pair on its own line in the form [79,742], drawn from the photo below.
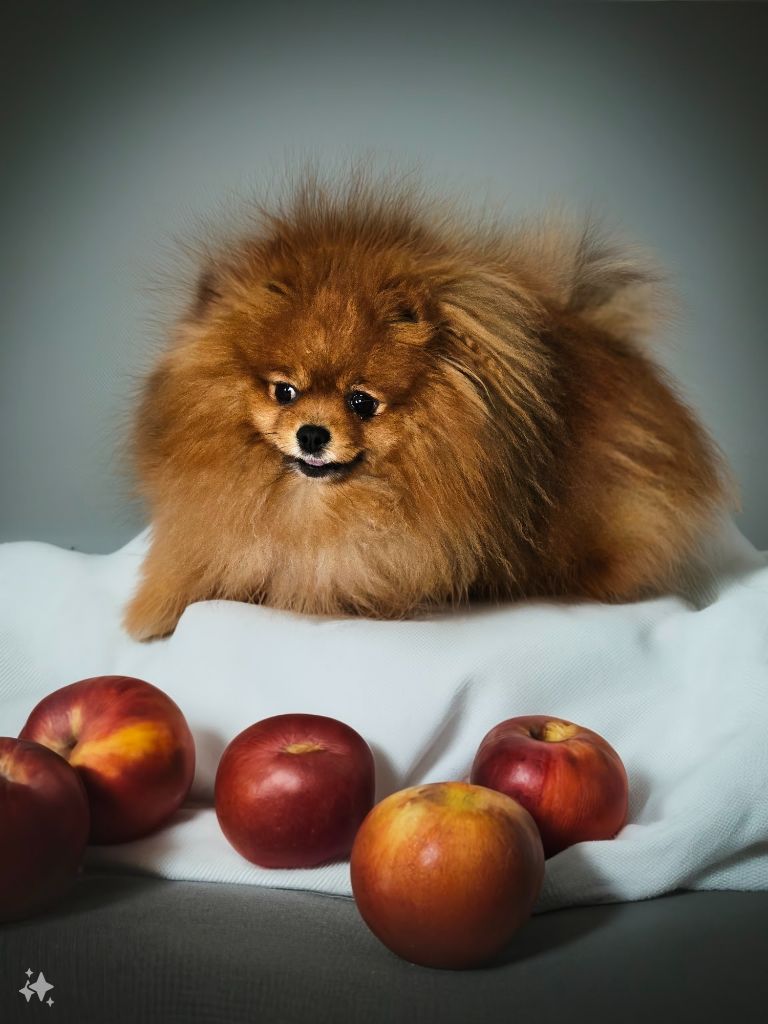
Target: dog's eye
[362,404]
[284,393]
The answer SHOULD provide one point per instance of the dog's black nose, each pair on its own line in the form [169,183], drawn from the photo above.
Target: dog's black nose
[312,438]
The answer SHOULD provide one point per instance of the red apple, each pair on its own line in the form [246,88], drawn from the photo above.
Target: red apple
[570,779]
[292,790]
[443,874]
[44,822]
[129,743]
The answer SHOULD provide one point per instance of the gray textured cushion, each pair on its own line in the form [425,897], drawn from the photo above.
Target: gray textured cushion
[136,949]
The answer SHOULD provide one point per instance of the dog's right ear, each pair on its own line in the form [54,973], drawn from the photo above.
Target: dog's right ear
[235,287]
[208,292]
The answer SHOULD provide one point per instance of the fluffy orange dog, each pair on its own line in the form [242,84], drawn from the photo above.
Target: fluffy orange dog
[376,404]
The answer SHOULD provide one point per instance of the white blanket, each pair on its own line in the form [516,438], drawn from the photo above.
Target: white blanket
[679,689]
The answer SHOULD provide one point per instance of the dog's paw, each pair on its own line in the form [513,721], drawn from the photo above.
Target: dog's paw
[150,615]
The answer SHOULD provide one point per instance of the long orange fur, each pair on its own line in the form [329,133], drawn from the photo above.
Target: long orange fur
[526,443]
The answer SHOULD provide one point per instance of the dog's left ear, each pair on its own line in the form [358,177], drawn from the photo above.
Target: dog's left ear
[409,310]
[492,332]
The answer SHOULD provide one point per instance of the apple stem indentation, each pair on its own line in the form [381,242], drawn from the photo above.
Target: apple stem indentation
[302,748]
[556,732]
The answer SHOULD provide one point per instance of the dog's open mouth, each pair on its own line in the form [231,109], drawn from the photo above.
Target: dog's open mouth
[317,468]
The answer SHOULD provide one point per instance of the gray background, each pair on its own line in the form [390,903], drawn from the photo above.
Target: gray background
[122,124]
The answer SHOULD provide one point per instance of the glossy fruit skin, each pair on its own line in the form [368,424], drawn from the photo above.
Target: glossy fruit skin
[292,790]
[445,873]
[575,786]
[131,746]
[44,822]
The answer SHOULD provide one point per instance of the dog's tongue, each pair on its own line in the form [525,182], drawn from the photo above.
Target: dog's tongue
[312,460]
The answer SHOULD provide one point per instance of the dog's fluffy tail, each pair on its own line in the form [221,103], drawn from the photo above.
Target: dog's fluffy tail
[614,285]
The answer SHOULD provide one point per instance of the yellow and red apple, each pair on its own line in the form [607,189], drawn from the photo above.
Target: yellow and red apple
[569,778]
[445,873]
[291,790]
[129,743]
[44,822]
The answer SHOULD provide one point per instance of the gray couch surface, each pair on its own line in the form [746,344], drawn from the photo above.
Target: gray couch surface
[127,949]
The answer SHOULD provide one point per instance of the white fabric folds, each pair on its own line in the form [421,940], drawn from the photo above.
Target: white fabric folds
[678,685]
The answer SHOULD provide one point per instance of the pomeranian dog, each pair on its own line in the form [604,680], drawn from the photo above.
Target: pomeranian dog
[376,404]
